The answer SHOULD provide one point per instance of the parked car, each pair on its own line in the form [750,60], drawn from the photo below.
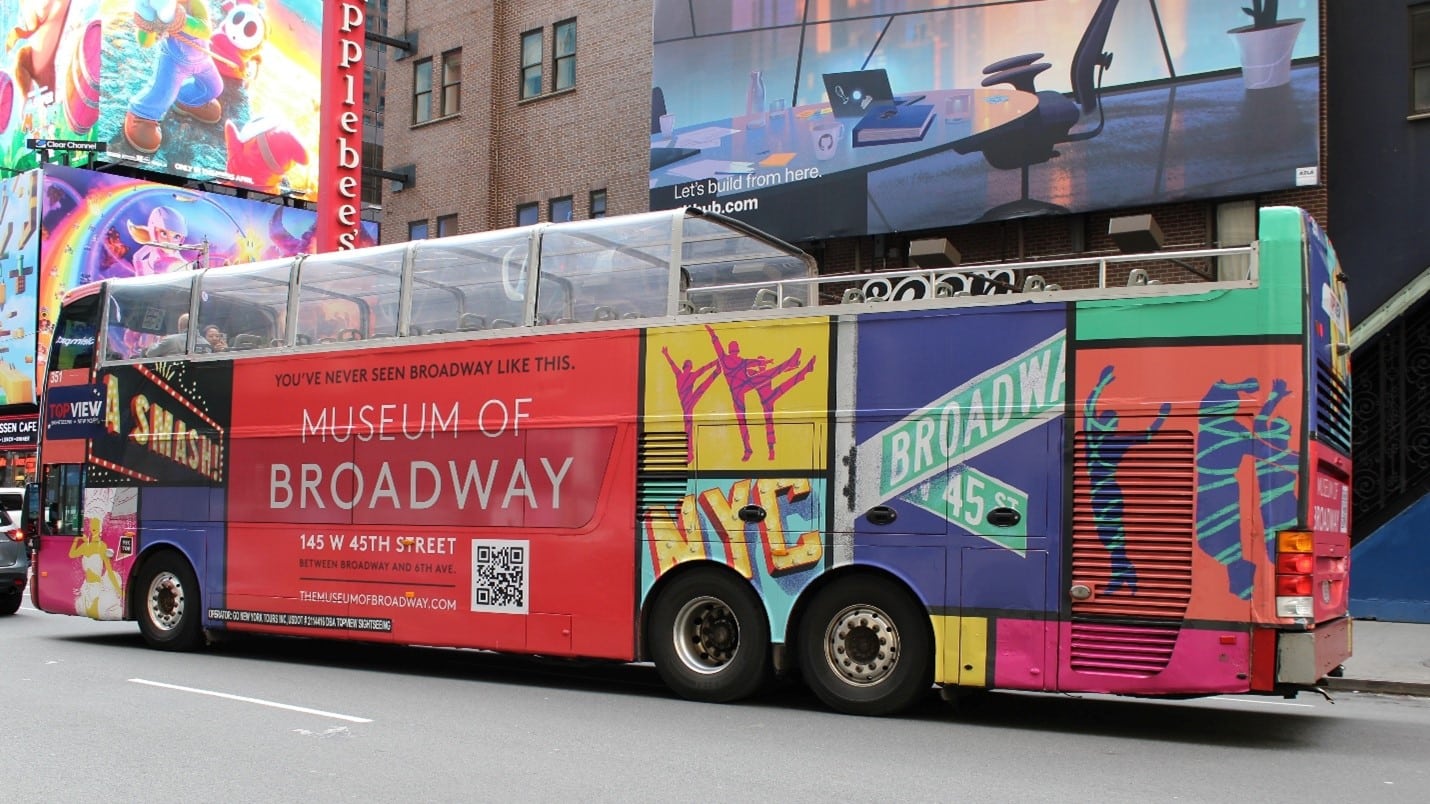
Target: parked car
[14,564]
[12,499]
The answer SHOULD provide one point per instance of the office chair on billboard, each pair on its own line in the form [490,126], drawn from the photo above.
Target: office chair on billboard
[1032,141]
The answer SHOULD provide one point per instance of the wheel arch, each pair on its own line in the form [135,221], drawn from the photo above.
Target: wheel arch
[141,562]
[680,570]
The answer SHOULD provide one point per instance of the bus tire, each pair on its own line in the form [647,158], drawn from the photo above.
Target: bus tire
[865,647]
[710,638]
[168,604]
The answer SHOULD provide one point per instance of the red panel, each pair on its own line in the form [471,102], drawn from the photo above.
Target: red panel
[363,483]
[1263,659]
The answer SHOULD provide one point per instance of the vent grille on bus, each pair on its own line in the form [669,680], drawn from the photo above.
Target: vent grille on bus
[662,476]
[1149,505]
[1124,650]
[1333,409]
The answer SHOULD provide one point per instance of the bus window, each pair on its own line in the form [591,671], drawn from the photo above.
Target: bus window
[62,499]
[715,254]
[605,269]
[343,299]
[73,345]
[149,318]
[248,304]
[470,283]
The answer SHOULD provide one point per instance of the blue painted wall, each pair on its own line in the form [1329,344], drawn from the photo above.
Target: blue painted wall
[1390,569]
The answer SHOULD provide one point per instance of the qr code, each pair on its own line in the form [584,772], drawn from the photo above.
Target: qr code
[500,576]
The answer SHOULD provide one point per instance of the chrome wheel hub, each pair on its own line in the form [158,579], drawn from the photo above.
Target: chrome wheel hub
[861,645]
[706,635]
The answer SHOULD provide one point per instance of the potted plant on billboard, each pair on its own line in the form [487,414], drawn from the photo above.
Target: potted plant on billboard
[1266,45]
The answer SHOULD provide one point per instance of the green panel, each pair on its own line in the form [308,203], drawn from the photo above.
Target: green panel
[1274,308]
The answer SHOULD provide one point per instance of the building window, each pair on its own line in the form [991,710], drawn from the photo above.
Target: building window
[417,230]
[561,209]
[446,225]
[598,203]
[451,82]
[422,91]
[527,214]
[1420,59]
[530,64]
[564,50]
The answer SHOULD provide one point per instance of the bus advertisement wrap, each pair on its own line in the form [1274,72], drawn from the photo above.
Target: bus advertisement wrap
[837,121]
[19,260]
[163,424]
[380,452]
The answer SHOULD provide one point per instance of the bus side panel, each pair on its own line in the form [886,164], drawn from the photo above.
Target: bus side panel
[957,430]
[476,495]
[742,410]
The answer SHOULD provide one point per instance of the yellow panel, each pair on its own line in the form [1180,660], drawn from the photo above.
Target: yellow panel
[973,652]
[945,647]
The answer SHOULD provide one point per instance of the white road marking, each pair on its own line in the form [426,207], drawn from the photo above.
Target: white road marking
[1261,703]
[259,701]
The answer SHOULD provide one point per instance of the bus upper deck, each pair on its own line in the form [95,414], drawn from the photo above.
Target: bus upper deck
[608,272]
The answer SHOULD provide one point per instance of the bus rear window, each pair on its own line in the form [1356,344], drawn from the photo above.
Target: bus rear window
[73,346]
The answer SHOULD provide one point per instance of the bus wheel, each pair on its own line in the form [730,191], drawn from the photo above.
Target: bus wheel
[710,638]
[168,603]
[865,647]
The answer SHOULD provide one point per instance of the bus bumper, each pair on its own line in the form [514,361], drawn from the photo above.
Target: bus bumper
[1303,658]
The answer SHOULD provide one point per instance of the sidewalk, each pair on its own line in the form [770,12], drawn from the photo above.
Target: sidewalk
[1387,657]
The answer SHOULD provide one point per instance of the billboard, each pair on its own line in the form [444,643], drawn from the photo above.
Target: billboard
[97,226]
[19,260]
[212,90]
[49,75]
[845,118]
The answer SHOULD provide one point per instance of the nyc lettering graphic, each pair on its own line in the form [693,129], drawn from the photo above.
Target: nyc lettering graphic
[707,525]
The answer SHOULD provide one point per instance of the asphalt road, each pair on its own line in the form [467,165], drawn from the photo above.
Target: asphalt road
[89,714]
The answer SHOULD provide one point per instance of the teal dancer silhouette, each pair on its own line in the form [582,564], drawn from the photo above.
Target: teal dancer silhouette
[1107,447]
[1223,442]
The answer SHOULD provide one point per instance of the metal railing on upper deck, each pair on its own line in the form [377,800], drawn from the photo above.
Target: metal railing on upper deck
[1172,272]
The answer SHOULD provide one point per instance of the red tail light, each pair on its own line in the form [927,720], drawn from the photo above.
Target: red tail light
[1293,585]
[1295,564]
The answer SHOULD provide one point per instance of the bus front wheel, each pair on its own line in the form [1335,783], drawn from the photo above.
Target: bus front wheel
[709,637]
[168,607]
[865,647]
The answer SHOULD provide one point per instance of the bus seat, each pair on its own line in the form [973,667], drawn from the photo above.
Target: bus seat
[943,290]
[604,313]
[502,323]
[704,310]
[852,296]
[766,299]
[304,340]
[438,331]
[686,308]
[791,301]
[471,321]
[1138,276]
[631,315]
[1033,282]
[413,329]
[247,340]
[1052,286]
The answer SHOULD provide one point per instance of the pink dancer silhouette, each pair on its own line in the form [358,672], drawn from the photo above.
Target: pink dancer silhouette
[746,374]
[689,387]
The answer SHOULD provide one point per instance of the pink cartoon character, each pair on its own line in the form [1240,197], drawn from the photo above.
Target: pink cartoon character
[263,151]
[160,242]
[237,43]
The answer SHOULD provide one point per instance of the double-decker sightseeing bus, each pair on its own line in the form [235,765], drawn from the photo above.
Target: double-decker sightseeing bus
[666,437]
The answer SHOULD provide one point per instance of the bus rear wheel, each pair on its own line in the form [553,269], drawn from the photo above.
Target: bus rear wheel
[709,637]
[168,605]
[865,647]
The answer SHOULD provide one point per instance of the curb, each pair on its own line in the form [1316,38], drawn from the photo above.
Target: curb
[1376,686]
